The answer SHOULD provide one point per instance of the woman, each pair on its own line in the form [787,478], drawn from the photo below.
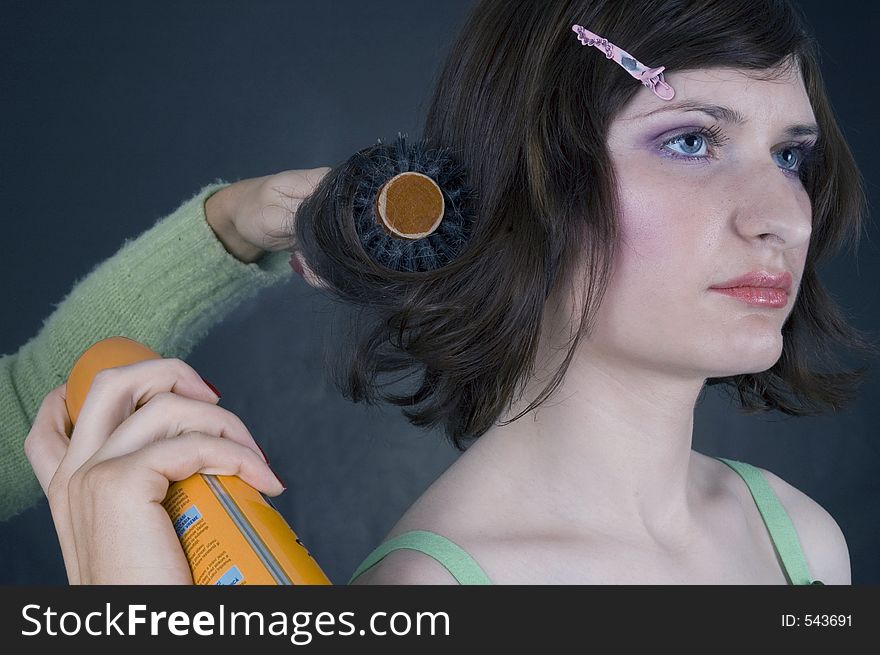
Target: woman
[598,198]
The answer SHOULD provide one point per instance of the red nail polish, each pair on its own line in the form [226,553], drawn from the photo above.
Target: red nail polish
[279,479]
[295,265]
[213,388]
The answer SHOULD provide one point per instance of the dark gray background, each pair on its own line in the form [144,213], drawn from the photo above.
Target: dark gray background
[114,113]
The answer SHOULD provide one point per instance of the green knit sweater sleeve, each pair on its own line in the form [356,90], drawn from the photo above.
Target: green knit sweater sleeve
[165,288]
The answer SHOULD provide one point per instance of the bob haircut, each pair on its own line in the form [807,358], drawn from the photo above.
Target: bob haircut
[526,110]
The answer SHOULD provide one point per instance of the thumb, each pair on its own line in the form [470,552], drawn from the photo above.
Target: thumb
[297,184]
[315,175]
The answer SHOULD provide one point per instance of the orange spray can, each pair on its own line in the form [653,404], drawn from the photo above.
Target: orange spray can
[229,531]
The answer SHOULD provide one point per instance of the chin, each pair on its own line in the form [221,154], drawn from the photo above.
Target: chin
[754,357]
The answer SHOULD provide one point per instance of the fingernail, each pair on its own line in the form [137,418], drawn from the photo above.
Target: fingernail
[213,388]
[295,265]
[279,479]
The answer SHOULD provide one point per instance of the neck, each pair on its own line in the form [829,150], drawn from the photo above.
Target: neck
[611,449]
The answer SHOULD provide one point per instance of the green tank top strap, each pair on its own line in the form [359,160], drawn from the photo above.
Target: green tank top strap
[465,569]
[779,525]
[456,560]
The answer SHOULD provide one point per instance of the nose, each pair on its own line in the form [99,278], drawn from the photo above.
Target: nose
[771,206]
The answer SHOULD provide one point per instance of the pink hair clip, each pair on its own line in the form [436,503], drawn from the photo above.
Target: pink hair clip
[650,77]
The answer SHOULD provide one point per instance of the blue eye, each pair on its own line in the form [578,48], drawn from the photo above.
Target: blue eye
[797,156]
[692,143]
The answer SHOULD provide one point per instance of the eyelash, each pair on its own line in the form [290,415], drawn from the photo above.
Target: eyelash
[808,151]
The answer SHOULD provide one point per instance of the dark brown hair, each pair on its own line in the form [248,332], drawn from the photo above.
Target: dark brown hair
[526,109]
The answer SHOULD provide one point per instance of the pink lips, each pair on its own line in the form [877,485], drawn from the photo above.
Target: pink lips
[758,288]
[757,296]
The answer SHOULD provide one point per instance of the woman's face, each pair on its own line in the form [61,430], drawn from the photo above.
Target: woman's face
[735,207]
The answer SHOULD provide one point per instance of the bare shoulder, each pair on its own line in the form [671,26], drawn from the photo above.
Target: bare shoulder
[406,567]
[821,538]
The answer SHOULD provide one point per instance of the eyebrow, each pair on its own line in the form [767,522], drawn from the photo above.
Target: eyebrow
[728,115]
